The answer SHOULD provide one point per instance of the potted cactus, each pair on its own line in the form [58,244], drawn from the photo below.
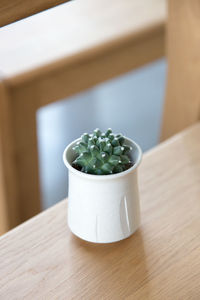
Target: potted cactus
[103,190]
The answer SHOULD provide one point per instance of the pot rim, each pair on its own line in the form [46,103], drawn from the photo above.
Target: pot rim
[102,177]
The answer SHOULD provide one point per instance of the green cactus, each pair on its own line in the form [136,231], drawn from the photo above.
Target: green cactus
[102,153]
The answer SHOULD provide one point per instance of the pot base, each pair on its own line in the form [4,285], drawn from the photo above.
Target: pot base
[102,242]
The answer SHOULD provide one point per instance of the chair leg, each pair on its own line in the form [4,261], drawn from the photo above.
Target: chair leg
[182,104]
[19,180]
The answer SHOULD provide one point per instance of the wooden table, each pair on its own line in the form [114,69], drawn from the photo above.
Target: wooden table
[41,259]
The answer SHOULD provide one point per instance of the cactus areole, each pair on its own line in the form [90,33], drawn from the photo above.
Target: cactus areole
[102,153]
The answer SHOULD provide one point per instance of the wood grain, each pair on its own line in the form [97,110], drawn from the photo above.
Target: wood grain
[182,105]
[41,259]
[13,10]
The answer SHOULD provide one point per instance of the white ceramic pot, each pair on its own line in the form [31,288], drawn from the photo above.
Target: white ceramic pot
[103,208]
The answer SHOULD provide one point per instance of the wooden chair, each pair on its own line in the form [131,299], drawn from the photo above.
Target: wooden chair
[33,76]
[39,66]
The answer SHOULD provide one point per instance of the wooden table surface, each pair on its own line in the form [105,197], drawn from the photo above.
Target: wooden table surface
[41,259]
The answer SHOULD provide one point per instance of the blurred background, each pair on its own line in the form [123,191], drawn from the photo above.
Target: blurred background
[131,104]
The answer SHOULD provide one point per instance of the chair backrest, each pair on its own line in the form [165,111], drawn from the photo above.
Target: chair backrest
[182,105]
[127,45]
